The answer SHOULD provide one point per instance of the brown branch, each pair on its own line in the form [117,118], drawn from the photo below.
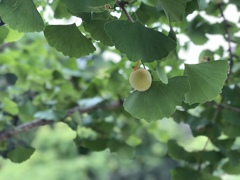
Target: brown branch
[122,4]
[231,108]
[9,133]
[228,36]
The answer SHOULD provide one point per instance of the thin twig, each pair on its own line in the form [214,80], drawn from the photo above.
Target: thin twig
[122,4]
[224,106]
[228,36]
[204,149]
[9,133]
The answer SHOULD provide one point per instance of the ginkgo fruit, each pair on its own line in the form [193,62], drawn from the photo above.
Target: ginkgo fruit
[140,79]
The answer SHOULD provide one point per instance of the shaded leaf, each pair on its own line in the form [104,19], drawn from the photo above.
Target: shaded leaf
[97,31]
[78,6]
[11,78]
[3,34]
[174,9]
[69,40]
[162,99]
[21,15]
[183,173]
[27,111]
[162,76]
[138,41]
[20,154]
[147,14]
[206,80]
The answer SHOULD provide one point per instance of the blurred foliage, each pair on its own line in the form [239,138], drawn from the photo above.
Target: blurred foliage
[68,65]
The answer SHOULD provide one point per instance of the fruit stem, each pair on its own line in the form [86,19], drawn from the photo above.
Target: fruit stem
[136,67]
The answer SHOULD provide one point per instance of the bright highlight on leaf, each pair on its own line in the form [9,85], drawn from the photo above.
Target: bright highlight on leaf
[69,40]
[206,80]
[140,79]
[138,41]
[159,101]
[21,15]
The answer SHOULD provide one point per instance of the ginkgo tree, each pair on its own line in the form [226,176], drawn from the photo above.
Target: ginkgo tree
[58,72]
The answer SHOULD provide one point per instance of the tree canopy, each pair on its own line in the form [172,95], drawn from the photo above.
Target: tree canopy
[69,61]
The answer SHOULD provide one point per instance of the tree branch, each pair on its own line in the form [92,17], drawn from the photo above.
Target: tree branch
[9,133]
[231,108]
[122,4]
[228,36]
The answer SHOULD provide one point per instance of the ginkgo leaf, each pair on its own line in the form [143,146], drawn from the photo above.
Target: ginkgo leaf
[138,41]
[159,101]
[3,34]
[174,9]
[20,154]
[21,15]
[78,6]
[69,40]
[161,74]
[96,28]
[206,80]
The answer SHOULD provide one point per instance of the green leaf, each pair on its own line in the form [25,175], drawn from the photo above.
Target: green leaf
[147,14]
[177,152]
[162,99]
[96,144]
[10,106]
[21,15]
[69,40]
[183,173]
[206,80]
[3,34]
[78,6]
[27,111]
[202,4]
[162,76]
[231,131]
[138,41]
[50,115]
[174,9]
[96,28]
[20,154]
[13,35]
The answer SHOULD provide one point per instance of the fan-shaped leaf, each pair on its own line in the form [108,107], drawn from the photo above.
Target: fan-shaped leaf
[78,6]
[20,154]
[162,76]
[206,80]
[174,9]
[69,40]
[96,28]
[3,33]
[138,41]
[21,15]
[159,101]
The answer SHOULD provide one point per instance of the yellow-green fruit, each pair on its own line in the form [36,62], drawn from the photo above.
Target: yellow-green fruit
[140,79]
